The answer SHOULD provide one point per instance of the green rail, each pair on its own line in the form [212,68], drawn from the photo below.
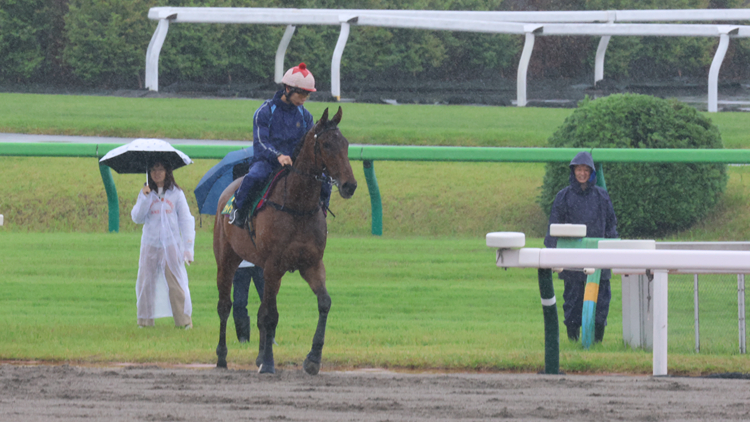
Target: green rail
[411,153]
[370,153]
[543,155]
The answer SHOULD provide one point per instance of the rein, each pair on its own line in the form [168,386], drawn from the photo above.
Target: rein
[317,176]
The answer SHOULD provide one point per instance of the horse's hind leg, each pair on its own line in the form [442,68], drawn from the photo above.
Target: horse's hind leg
[226,262]
[261,336]
[223,308]
[316,278]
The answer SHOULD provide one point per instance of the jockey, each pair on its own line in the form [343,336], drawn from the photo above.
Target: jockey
[278,126]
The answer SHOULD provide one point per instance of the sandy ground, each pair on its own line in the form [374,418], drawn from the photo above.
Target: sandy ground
[150,393]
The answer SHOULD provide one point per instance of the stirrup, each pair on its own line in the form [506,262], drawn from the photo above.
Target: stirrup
[236,219]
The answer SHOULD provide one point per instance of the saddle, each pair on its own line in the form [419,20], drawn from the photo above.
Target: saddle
[260,198]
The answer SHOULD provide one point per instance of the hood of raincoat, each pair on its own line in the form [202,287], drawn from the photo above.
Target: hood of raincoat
[583,157]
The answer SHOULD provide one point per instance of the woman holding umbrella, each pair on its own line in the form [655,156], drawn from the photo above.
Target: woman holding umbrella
[166,245]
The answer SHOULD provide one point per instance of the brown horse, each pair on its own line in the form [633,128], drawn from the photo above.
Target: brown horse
[290,235]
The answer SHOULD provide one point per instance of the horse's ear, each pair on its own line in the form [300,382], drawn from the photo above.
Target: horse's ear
[324,119]
[337,117]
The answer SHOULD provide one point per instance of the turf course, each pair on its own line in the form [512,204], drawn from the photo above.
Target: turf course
[425,296]
[362,123]
[414,303]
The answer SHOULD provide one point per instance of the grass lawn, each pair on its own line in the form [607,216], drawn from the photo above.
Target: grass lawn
[419,199]
[412,303]
[426,295]
[179,118]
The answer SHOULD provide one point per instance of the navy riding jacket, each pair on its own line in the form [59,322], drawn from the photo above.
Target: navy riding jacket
[590,206]
[277,129]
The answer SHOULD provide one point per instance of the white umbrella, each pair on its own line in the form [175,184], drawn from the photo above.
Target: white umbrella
[136,156]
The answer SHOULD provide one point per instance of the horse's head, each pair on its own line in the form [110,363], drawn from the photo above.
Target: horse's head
[333,150]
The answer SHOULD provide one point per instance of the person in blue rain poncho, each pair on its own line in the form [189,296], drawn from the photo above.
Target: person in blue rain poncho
[279,125]
[582,202]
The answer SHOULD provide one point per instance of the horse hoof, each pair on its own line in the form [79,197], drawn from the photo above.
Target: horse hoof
[311,367]
[266,369]
[221,355]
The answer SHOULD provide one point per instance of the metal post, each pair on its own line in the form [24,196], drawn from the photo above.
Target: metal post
[152,54]
[278,71]
[591,292]
[375,203]
[741,310]
[588,317]
[112,202]
[713,72]
[551,324]
[661,302]
[601,50]
[336,62]
[696,314]
[523,67]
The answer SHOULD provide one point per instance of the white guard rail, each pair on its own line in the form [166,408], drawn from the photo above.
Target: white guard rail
[530,24]
[659,262]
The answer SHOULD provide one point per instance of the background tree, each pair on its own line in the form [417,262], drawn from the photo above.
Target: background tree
[31,34]
[103,44]
[107,40]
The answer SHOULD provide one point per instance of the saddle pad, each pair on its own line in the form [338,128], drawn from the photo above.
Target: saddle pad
[228,207]
[257,202]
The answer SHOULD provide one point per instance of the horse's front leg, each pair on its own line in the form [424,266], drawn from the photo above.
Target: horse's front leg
[316,278]
[261,336]
[268,319]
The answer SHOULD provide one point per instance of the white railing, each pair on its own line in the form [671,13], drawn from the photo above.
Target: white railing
[604,24]
[657,263]
[715,246]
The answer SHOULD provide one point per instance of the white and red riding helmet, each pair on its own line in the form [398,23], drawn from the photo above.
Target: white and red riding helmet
[299,77]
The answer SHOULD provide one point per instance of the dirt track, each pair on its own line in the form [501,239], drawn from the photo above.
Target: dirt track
[62,393]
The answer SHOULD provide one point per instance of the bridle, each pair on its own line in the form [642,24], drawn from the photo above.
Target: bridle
[317,175]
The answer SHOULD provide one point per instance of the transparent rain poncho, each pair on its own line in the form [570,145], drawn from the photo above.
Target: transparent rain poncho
[168,236]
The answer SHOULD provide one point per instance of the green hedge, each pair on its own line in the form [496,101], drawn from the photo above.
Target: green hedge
[103,43]
[650,200]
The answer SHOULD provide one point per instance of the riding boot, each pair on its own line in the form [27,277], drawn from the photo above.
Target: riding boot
[238,215]
[598,333]
[251,190]
[573,333]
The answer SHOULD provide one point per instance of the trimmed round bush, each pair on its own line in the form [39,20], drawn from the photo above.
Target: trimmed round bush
[650,199]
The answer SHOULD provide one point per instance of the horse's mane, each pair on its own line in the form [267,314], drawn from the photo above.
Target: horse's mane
[327,126]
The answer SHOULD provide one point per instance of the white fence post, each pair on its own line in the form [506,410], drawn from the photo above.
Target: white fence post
[336,61]
[281,52]
[713,73]
[523,65]
[661,308]
[696,314]
[152,55]
[741,311]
